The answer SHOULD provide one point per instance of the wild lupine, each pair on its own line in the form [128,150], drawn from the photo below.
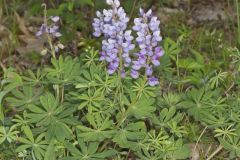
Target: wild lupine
[148,38]
[52,29]
[117,41]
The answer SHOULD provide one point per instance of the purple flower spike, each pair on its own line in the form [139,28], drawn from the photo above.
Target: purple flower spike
[118,43]
[148,37]
[112,24]
[52,30]
[153,81]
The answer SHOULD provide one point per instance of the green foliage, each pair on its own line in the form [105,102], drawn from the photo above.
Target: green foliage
[72,109]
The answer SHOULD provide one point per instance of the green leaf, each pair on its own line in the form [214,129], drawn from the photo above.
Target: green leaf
[50,153]
[87,150]
[28,133]
[182,152]
[130,133]
[143,108]
[101,128]
[189,64]
[13,80]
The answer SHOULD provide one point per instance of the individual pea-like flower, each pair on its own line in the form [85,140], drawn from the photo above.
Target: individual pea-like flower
[117,42]
[52,29]
[148,32]
[153,81]
[134,74]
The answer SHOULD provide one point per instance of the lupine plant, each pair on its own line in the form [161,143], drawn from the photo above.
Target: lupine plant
[135,97]
[118,42]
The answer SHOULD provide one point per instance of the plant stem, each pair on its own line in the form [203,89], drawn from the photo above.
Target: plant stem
[48,36]
[133,8]
[195,147]
[215,152]
[238,21]
[120,78]
[62,94]
[178,74]
[124,116]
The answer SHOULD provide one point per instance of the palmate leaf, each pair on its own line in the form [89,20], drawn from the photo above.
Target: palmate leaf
[20,121]
[233,146]
[146,154]
[171,48]
[139,108]
[182,151]
[217,79]
[9,134]
[171,114]
[167,114]
[158,141]
[215,119]
[64,71]
[170,119]
[105,84]
[142,88]
[88,77]
[34,79]
[91,100]
[102,128]
[176,130]
[196,102]
[37,146]
[87,151]
[53,116]
[11,81]
[82,150]
[24,97]
[169,100]
[90,57]
[164,149]
[189,64]
[132,132]
[226,132]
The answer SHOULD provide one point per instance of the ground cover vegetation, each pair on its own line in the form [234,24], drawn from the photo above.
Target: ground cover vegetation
[99,80]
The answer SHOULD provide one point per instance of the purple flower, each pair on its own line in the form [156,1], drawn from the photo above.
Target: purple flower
[123,74]
[136,65]
[55,18]
[149,70]
[134,74]
[102,56]
[153,81]
[52,29]
[43,29]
